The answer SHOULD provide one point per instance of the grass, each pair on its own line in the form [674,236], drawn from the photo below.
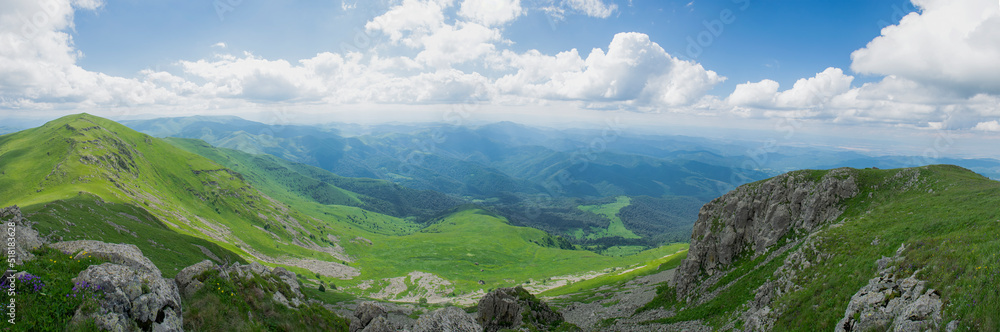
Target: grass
[584,290]
[949,223]
[86,217]
[453,247]
[47,299]
[246,305]
[945,215]
[610,211]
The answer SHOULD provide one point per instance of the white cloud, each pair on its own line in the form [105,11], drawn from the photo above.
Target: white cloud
[457,44]
[491,12]
[815,91]
[759,94]
[594,8]
[634,70]
[987,126]
[219,45]
[810,92]
[953,44]
[38,62]
[414,18]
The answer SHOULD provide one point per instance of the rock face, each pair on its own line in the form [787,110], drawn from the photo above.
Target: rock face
[511,308]
[136,296]
[25,237]
[754,217]
[449,319]
[892,303]
[365,314]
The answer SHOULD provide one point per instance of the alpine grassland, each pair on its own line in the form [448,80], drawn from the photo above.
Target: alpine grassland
[946,219]
[182,201]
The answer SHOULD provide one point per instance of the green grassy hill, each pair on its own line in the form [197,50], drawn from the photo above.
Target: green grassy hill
[88,160]
[84,177]
[947,218]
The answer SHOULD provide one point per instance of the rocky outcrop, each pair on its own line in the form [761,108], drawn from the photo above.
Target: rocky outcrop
[449,319]
[189,284]
[365,314]
[186,281]
[124,254]
[754,217]
[136,296]
[511,308]
[892,303]
[25,237]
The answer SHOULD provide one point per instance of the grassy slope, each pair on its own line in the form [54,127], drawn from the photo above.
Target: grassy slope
[191,194]
[278,181]
[448,248]
[945,215]
[86,217]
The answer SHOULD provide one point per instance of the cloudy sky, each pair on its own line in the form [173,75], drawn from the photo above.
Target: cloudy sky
[920,76]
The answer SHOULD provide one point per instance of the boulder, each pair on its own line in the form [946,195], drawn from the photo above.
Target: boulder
[894,304]
[25,236]
[379,324]
[512,308]
[124,254]
[365,314]
[449,319]
[135,299]
[185,278]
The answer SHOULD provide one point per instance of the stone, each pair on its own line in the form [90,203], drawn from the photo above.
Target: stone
[185,278]
[448,319]
[26,237]
[379,324]
[365,313]
[125,254]
[134,299]
[512,308]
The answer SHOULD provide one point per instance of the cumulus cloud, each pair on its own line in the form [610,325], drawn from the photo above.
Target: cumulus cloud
[810,92]
[490,12]
[38,63]
[953,44]
[634,70]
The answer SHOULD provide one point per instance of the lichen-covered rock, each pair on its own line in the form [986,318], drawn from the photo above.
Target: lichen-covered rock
[511,308]
[379,324]
[186,281]
[25,237]
[756,216]
[365,314]
[891,303]
[449,319]
[134,299]
[124,254]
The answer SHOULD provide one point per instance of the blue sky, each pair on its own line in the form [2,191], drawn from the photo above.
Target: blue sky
[125,37]
[689,67]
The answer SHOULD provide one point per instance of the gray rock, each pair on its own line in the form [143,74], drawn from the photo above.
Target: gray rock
[449,319]
[379,324]
[134,299]
[365,313]
[186,276]
[25,237]
[512,308]
[755,216]
[888,303]
[124,254]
